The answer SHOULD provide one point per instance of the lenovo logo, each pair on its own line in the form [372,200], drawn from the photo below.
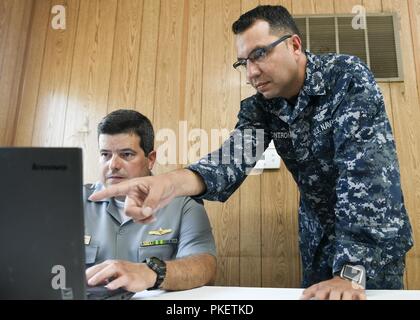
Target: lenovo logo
[58,167]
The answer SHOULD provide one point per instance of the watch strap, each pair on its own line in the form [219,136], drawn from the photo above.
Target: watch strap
[159,267]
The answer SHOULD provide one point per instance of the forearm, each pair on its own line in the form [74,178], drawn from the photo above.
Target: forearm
[223,170]
[186,182]
[190,272]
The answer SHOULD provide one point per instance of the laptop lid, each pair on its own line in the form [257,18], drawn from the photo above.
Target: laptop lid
[41,224]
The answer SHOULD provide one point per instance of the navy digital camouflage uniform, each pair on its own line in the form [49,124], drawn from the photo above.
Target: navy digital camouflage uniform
[337,143]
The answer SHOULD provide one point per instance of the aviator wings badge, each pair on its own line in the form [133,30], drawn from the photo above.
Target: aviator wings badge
[160,232]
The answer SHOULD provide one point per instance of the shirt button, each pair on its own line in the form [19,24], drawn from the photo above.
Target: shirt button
[122,231]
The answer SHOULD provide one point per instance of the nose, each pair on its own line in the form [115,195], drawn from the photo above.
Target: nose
[252,71]
[114,163]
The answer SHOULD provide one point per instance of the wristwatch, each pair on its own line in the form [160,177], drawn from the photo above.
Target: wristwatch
[159,267]
[354,273]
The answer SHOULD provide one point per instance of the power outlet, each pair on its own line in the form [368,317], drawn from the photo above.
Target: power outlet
[270,159]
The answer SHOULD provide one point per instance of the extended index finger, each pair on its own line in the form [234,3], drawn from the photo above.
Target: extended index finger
[120,189]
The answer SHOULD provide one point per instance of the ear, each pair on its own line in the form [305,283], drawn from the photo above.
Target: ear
[152,159]
[297,44]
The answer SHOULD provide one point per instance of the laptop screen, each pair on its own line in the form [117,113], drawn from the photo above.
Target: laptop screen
[41,224]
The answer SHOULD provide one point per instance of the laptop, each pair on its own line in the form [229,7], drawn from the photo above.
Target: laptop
[42,253]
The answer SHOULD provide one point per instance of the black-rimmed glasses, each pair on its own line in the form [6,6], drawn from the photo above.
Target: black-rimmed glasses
[258,54]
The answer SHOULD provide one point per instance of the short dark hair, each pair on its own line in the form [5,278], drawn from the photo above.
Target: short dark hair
[277,17]
[129,121]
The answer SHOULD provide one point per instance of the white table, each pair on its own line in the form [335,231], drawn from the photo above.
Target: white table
[245,293]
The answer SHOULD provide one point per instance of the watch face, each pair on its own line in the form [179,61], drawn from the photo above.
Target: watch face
[353,272]
[159,263]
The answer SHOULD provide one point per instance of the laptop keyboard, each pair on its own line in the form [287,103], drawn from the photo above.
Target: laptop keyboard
[102,293]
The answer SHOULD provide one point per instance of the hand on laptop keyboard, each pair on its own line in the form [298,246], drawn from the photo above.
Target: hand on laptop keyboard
[116,274]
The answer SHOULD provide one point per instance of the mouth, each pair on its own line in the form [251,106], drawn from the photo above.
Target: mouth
[261,85]
[114,179]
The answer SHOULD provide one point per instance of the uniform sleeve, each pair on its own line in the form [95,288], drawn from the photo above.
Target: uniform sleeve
[225,169]
[195,232]
[372,226]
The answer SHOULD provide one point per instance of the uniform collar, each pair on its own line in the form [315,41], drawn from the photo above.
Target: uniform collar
[98,186]
[111,207]
[314,84]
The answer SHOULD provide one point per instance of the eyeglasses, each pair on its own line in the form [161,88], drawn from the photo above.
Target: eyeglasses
[258,54]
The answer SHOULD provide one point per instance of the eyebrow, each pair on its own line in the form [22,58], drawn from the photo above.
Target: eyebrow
[119,150]
[255,48]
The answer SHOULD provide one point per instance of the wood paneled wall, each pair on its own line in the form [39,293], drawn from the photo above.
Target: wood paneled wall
[171,60]
[15,16]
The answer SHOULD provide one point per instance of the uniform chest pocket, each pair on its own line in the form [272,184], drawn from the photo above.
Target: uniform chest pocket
[323,146]
[91,252]
[284,146]
[162,249]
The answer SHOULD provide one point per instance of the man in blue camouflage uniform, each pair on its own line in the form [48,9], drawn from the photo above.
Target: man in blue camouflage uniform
[327,119]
